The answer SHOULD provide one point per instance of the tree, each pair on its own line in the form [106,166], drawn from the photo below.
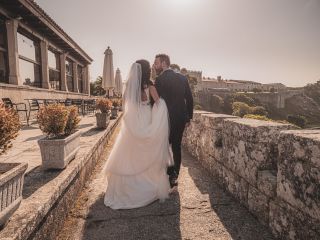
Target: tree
[272,90]
[298,120]
[216,103]
[193,83]
[240,109]
[175,67]
[96,87]
[256,90]
[258,110]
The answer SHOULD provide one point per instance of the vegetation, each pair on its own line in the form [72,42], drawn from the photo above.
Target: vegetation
[96,87]
[73,121]
[116,102]
[313,91]
[57,120]
[104,105]
[192,82]
[298,120]
[197,107]
[256,90]
[257,117]
[258,110]
[9,127]
[240,109]
[175,67]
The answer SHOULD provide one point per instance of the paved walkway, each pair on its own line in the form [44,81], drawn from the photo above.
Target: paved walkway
[198,210]
[25,146]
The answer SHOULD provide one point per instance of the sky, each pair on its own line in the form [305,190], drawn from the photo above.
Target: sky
[258,40]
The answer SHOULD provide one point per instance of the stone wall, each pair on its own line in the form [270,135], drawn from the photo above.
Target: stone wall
[273,169]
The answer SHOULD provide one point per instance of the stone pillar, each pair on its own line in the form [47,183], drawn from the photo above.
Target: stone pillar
[75,77]
[86,80]
[44,64]
[63,72]
[13,55]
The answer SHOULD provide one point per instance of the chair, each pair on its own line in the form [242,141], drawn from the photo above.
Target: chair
[33,106]
[79,104]
[90,105]
[49,101]
[9,104]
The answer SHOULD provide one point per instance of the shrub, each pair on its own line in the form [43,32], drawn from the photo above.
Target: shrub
[197,107]
[257,117]
[73,120]
[242,97]
[298,120]
[56,120]
[259,110]
[104,105]
[116,102]
[240,109]
[9,127]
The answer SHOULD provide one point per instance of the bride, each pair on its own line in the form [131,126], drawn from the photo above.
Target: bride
[136,170]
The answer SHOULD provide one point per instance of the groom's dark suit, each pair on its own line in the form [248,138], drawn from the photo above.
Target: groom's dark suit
[175,90]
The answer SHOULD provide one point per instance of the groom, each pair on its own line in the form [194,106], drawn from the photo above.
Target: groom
[174,88]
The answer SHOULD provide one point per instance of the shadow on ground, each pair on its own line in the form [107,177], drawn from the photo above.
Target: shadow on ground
[36,179]
[238,221]
[155,221]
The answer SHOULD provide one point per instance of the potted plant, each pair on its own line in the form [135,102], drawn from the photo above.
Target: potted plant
[11,174]
[115,108]
[62,142]
[103,105]
[120,104]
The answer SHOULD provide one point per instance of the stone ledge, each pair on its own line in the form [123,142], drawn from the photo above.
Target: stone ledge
[42,213]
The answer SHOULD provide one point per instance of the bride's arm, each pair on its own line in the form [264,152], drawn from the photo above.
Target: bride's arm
[154,94]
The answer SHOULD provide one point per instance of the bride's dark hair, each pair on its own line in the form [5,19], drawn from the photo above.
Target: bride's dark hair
[146,73]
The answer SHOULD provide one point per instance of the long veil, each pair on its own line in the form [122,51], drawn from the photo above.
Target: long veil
[139,145]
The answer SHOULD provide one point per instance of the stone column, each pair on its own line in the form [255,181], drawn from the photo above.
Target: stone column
[13,55]
[63,72]
[75,77]
[86,80]
[44,64]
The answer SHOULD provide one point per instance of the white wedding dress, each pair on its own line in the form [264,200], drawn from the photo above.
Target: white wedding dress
[136,169]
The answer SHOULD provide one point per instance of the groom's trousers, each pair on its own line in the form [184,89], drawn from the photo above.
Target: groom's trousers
[175,140]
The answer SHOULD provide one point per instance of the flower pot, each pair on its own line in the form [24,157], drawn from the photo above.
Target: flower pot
[102,120]
[57,153]
[114,113]
[11,185]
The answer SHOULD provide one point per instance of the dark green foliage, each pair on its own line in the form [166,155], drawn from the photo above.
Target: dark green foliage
[298,120]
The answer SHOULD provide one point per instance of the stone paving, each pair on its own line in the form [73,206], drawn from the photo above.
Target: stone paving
[199,209]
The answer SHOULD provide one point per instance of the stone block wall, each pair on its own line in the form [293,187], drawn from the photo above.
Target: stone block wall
[271,168]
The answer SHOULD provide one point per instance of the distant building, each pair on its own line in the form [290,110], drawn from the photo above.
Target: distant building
[237,85]
[38,59]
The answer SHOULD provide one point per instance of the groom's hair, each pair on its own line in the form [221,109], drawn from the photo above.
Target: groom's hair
[164,58]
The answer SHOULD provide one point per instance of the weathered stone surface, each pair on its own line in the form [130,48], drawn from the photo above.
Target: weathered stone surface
[57,153]
[250,145]
[44,208]
[236,185]
[259,205]
[289,223]
[267,182]
[204,135]
[298,180]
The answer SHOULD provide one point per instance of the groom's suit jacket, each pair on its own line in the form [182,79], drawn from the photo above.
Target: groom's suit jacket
[175,90]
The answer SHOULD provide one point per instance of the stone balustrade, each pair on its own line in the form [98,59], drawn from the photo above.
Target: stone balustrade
[273,169]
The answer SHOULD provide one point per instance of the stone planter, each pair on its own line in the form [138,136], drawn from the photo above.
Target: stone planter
[11,185]
[57,153]
[114,113]
[102,120]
